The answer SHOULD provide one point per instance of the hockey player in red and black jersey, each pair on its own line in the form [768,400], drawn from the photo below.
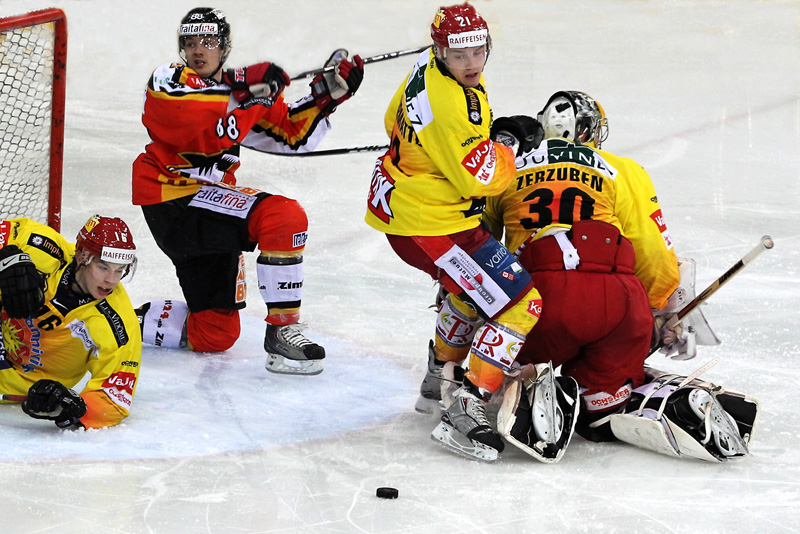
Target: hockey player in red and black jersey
[65,313]
[198,115]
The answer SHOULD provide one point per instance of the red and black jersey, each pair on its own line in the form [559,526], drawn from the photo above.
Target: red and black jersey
[196,129]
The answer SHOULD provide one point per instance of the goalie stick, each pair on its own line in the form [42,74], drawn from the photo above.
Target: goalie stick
[766,243]
[373,59]
[13,398]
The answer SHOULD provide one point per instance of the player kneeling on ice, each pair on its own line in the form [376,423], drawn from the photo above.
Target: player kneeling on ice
[595,242]
[198,116]
[65,313]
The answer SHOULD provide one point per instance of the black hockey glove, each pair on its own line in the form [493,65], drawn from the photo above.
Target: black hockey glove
[520,132]
[331,88]
[21,285]
[262,80]
[48,399]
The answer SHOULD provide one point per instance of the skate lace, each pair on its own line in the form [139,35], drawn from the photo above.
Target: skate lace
[475,410]
[294,337]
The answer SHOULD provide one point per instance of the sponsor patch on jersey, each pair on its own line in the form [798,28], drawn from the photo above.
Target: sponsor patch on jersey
[79,331]
[223,200]
[658,218]
[21,342]
[380,194]
[114,321]
[5,233]
[481,162]
[473,106]
[119,388]
[48,246]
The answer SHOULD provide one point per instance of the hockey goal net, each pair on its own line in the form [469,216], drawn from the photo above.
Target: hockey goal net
[33,57]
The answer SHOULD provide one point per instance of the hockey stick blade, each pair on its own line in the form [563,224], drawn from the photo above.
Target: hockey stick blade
[13,398]
[372,59]
[336,151]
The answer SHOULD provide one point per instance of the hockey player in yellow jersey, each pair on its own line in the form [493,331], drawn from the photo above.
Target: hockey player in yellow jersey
[64,313]
[427,195]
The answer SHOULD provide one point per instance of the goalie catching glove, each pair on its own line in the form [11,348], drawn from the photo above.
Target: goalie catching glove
[673,340]
[48,399]
[262,80]
[336,85]
[21,285]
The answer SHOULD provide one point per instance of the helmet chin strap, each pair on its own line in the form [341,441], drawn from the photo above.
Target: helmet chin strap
[78,284]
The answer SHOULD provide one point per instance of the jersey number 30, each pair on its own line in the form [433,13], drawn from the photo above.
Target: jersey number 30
[541,203]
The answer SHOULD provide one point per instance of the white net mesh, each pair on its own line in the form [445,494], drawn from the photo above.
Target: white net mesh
[26,88]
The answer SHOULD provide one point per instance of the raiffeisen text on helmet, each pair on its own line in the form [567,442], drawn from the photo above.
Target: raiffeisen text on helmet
[467,39]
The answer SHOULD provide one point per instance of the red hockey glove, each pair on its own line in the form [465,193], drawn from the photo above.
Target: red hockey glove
[262,80]
[337,85]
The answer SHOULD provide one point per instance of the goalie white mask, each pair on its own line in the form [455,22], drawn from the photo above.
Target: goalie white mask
[575,116]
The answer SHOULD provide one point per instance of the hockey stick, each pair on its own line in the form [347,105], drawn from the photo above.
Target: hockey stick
[373,59]
[337,151]
[13,398]
[766,243]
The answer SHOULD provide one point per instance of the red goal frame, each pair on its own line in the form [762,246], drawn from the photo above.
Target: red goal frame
[59,20]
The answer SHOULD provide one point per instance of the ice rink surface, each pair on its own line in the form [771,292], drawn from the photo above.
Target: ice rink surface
[705,95]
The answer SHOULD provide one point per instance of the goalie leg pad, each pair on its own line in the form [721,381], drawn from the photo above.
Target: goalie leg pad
[690,421]
[539,416]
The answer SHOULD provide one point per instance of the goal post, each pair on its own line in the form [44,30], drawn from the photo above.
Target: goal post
[33,63]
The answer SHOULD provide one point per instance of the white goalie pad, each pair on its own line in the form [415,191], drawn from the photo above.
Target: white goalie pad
[538,414]
[695,420]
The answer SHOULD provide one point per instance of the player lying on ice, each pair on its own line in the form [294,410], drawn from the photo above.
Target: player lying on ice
[198,116]
[587,226]
[65,313]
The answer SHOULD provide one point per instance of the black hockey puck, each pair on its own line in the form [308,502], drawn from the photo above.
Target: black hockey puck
[387,493]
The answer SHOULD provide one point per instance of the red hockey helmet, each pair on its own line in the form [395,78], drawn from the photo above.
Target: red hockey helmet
[107,239]
[459,26]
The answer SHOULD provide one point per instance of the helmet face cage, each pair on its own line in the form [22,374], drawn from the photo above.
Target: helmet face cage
[459,26]
[107,239]
[210,25]
[576,116]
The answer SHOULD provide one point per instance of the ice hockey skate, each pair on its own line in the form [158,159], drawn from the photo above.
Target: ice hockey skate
[440,376]
[465,429]
[430,393]
[290,352]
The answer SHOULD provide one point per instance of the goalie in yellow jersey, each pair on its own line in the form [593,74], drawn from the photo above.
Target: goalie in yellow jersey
[427,195]
[64,313]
